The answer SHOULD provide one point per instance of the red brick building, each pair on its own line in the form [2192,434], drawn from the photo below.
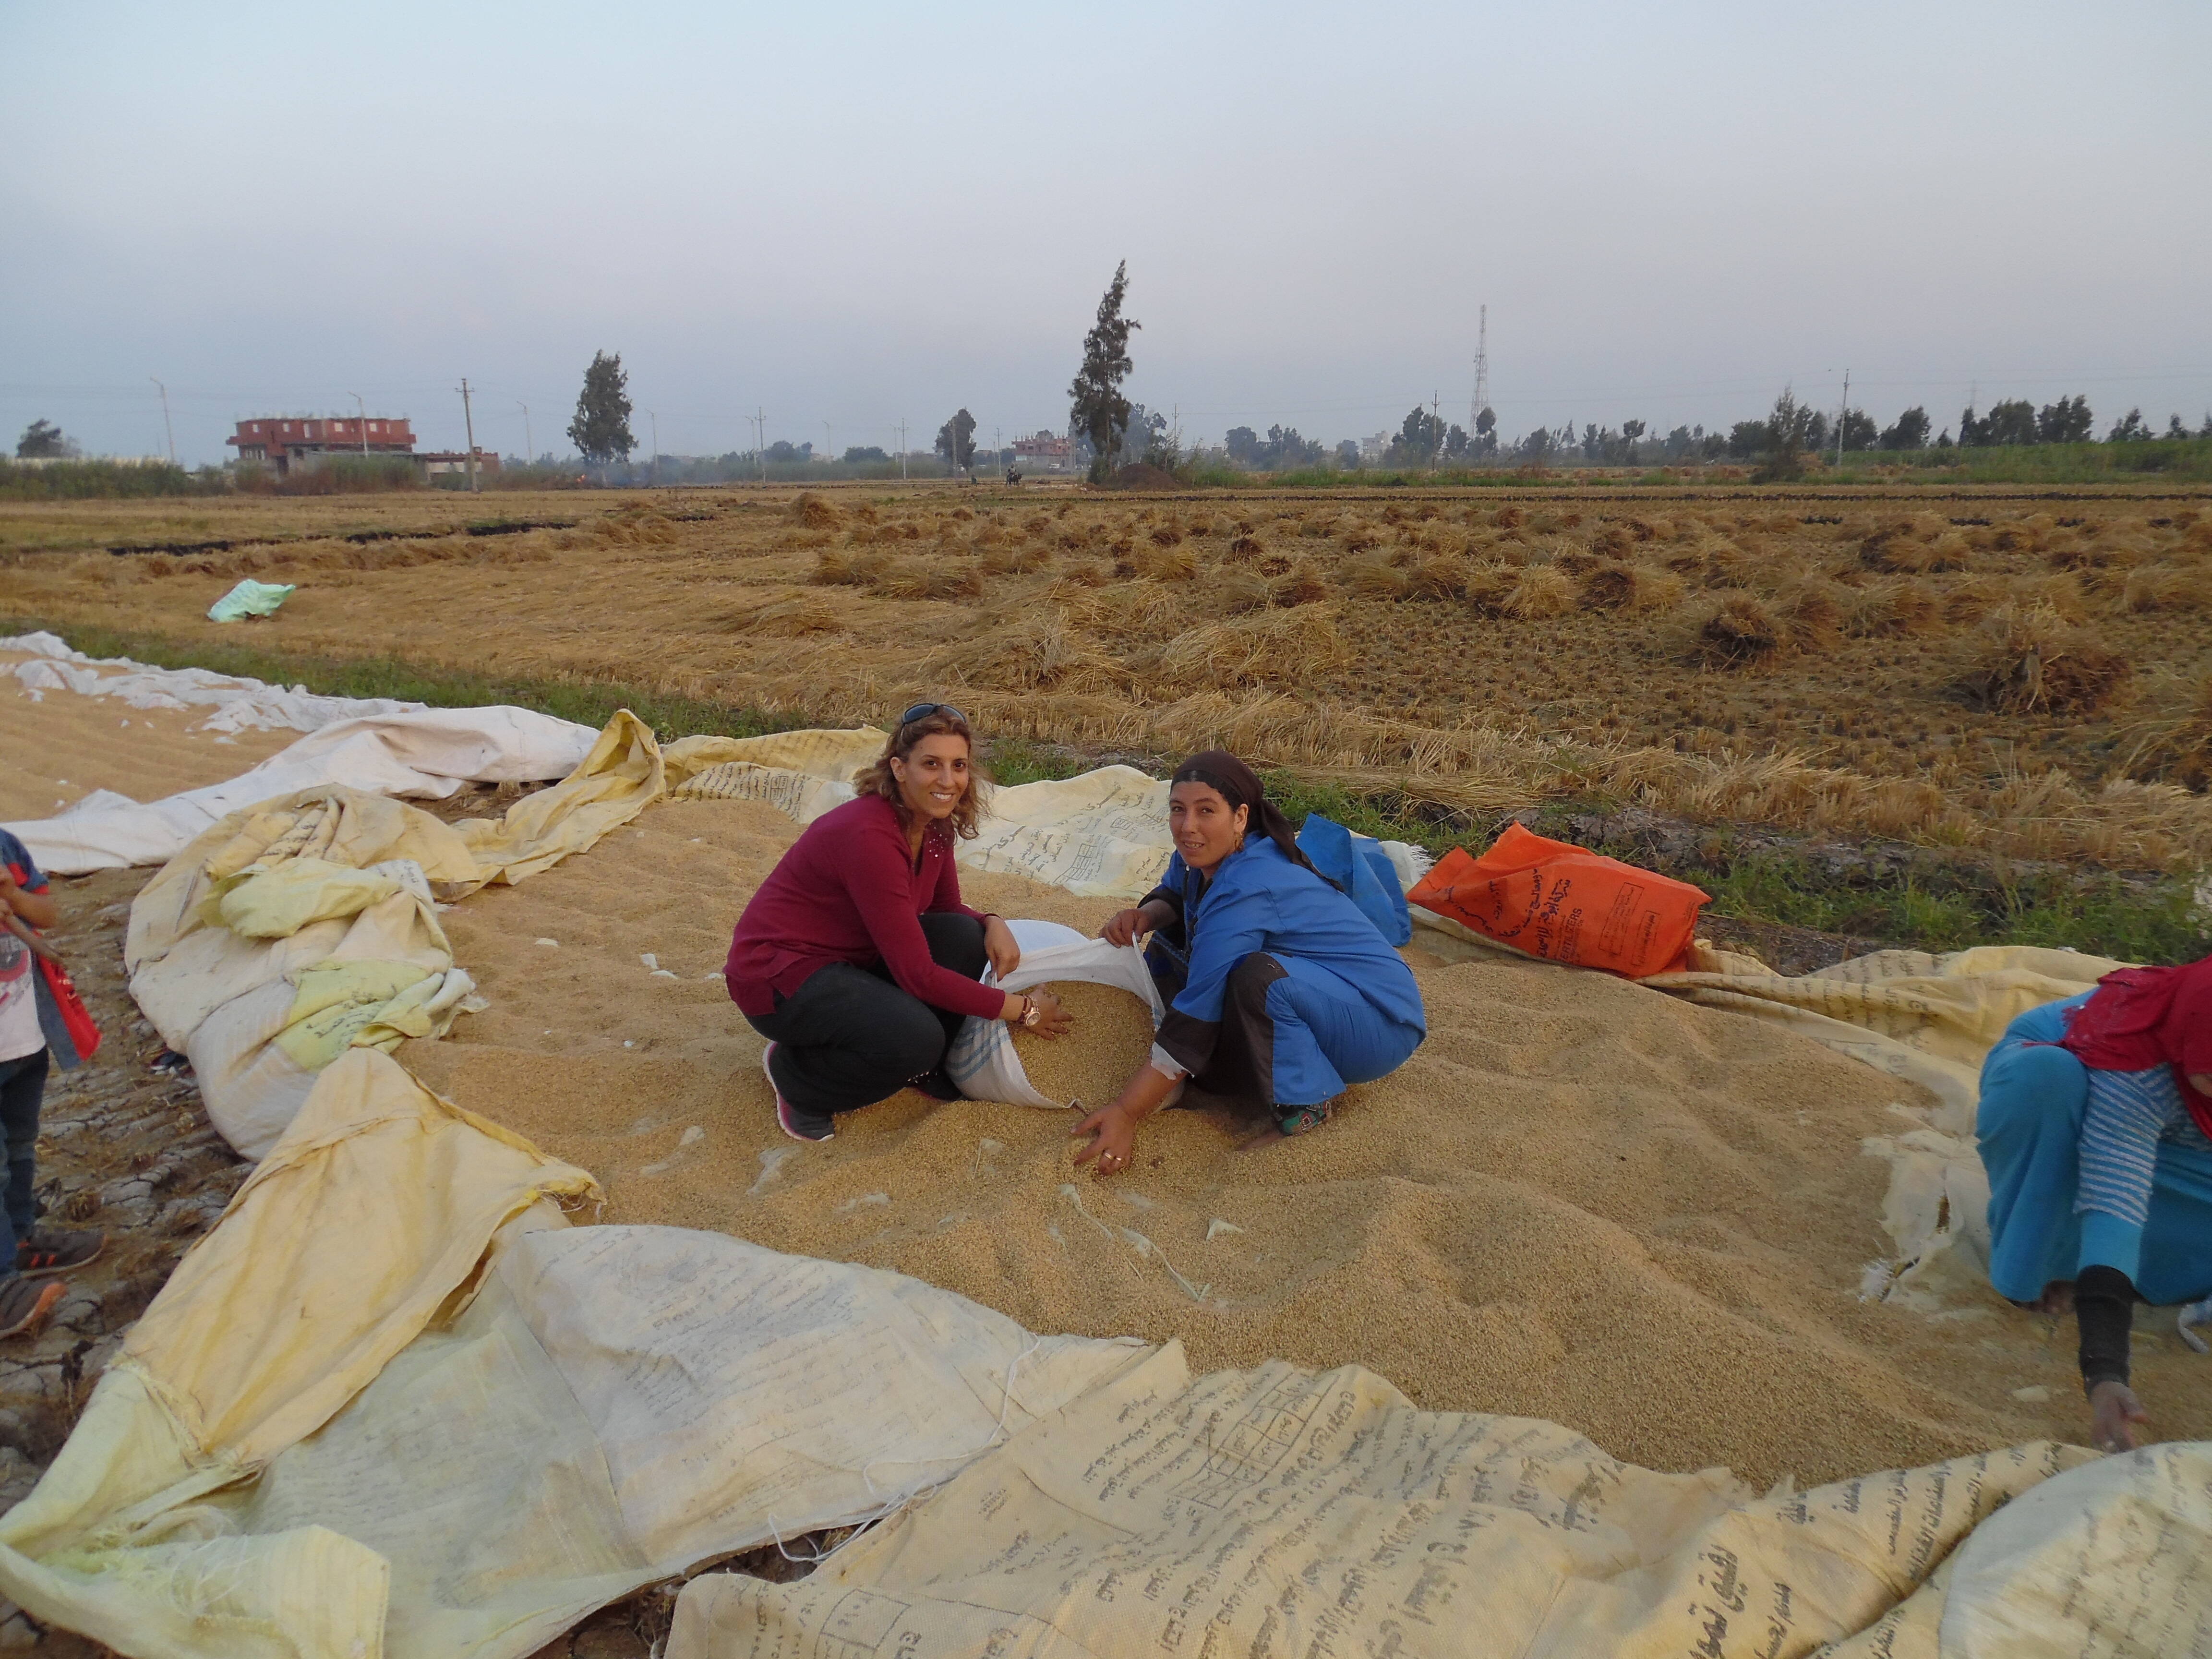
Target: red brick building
[1045,450]
[284,443]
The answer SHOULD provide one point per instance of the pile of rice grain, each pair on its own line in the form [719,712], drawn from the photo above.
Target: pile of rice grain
[1581,1199]
[1112,1035]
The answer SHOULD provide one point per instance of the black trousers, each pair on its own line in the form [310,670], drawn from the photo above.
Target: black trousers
[849,1037]
[22,1087]
[1241,1067]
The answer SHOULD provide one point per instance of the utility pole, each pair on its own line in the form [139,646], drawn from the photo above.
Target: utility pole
[1842,414]
[902,452]
[1436,428]
[1481,374]
[529,448]
[469,422]
[363,418]
[760,444]
[655,419]
[166,426]
[829,442]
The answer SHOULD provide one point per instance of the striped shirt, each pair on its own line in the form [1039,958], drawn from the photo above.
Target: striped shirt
[2129,1115]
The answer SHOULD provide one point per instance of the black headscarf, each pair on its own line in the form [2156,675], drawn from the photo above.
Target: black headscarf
[1238,785]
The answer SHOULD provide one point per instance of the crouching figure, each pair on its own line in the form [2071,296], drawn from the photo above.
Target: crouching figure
[1280,990]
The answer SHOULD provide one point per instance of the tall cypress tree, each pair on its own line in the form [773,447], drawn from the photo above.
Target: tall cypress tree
[1097,409]
[601,428]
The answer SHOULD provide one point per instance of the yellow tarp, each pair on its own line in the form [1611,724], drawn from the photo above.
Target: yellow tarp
[1279,1513]
[1926,1019]
[394,1408]
[393,1405]
[343,1244]
[294,929]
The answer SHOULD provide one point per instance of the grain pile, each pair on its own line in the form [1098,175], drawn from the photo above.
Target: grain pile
[1580,1200]
[1112,1035]
[60,747]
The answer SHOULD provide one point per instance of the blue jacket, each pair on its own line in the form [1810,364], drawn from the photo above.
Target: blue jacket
[1259,900]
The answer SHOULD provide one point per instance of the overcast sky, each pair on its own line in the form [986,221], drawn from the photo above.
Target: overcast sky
[860,214]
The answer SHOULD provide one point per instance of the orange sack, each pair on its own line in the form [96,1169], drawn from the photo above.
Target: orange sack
[1565,904]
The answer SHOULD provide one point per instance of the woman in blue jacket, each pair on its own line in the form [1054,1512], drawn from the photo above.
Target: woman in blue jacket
[1280,990]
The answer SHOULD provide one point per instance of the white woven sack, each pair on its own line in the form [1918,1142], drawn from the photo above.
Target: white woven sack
[983,1061]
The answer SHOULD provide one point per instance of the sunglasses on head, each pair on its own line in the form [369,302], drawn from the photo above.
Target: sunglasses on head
[922,711]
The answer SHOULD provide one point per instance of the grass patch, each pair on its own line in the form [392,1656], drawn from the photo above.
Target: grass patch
[2179,460]
[1951,904]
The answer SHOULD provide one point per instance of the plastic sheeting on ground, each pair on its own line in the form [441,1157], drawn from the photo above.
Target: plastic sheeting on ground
[370,744]
[1280,1514]
[394,1408]
[252,598]
[287,932]
[234,702]
[393,1405]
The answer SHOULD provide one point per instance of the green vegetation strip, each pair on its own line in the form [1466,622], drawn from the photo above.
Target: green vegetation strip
[1934,901]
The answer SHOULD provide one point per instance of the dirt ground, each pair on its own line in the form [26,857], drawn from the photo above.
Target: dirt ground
[125,1145]
[2025,670]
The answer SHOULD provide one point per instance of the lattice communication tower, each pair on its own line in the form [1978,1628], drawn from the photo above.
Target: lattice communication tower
[1481,371]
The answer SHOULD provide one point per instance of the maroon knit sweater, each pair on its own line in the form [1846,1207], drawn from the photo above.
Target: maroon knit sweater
[847,892]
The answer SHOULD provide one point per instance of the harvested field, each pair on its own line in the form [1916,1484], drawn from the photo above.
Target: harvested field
[1971,669]
[1581,1199]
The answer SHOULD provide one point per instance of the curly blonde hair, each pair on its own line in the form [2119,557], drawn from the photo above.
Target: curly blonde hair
[880,780]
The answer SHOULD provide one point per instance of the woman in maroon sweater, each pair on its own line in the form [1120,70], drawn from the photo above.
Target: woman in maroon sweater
[856,958]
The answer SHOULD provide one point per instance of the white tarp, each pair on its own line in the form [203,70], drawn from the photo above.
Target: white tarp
[373,744]
[234,702]
[394,1408]
[1284,1514]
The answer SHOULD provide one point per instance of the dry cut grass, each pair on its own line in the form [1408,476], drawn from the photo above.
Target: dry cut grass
[2009,676]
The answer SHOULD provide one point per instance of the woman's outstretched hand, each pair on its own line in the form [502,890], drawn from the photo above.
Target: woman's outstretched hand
[1112,1139]
[2114,1412]
[1000,946]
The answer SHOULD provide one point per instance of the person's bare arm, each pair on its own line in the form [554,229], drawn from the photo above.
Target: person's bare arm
[37,908]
